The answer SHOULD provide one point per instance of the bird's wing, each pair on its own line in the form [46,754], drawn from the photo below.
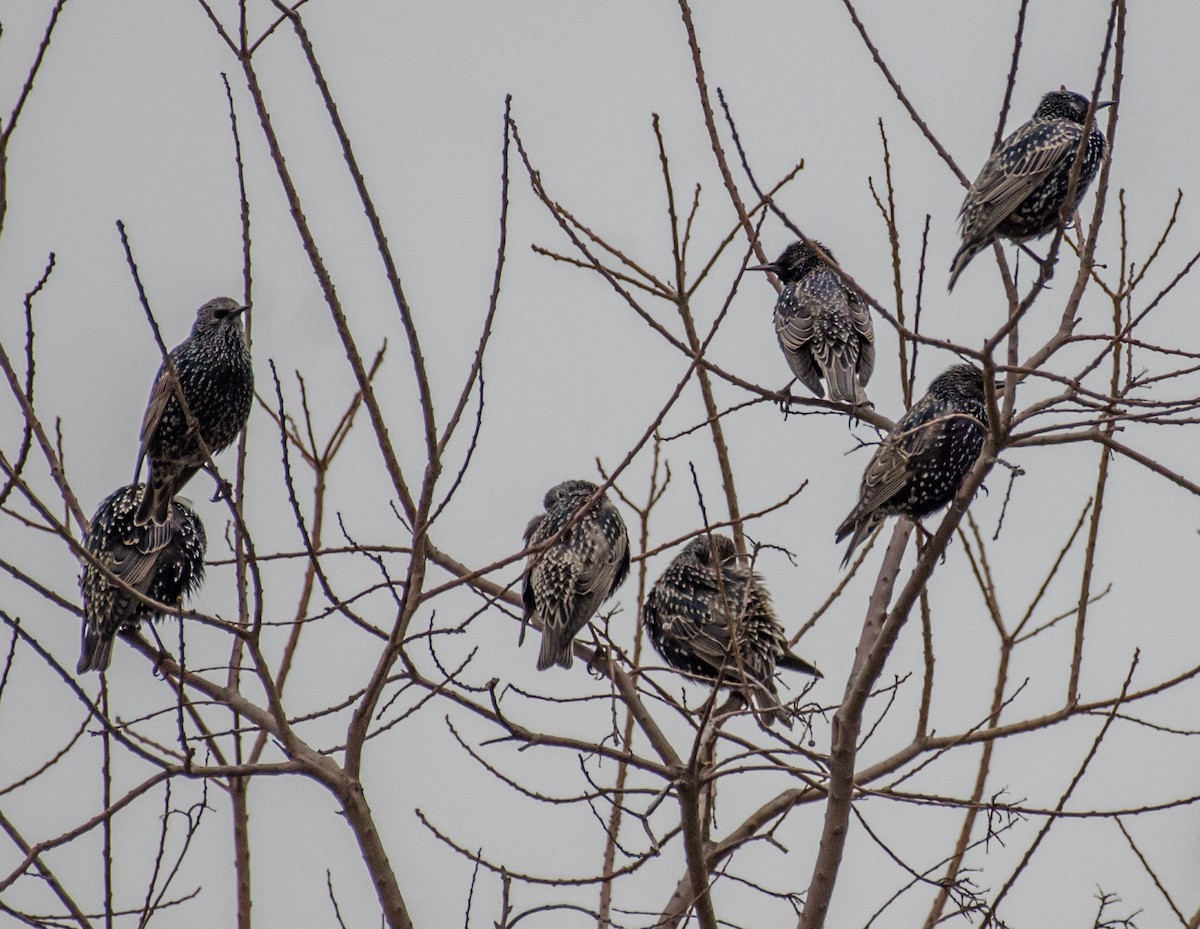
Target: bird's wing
[603,547]
[1015,170]
[160,395]
[891,467]
[135,556]
[691,611]
[795,328]
[860,318]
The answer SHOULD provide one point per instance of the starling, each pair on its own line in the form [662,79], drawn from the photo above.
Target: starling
[923,461]
[217,381]
[1023,185]
[164,562]
[566,583]
[823,327]
[706,605]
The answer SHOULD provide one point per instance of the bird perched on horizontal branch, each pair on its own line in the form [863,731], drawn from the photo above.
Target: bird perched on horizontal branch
[922,462]
[164,562]
[711,616]
[1025,183]
[217,382]
[566,583]
[823,327]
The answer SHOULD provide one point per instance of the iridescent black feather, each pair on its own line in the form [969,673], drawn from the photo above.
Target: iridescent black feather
[922,462]
[710,615]
[164,562]
[1023,186]
[566,583]
[823,328]
[217,380]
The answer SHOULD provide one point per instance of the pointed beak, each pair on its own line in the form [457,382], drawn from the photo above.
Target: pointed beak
[770,266]
[1101,106]
[239,310]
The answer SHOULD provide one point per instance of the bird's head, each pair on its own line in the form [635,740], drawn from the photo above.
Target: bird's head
[797,260]
[568,490]
[703,553]
[1065,104]
[959,381]
[219,313]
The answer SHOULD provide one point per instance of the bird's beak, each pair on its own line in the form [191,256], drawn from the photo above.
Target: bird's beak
[770,266]
[240,310]
[1101,106]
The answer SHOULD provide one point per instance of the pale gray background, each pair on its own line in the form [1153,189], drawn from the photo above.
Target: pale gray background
[128,120]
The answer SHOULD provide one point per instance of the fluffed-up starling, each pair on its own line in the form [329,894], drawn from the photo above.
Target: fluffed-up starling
[164,562]
[217,381]
[922,462]
[823,327]
[1021,190]
[566,583]
[710,615]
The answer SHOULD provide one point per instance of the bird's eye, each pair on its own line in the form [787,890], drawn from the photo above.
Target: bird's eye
[220,314]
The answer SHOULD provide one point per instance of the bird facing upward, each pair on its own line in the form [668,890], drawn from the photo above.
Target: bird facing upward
[823,328]
[922,462]
[1023,186]
[164,562]
[710,615]
[566,583]
[217,381]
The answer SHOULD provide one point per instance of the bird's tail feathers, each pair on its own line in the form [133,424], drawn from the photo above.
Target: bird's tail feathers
[858,528]
[962,258]
[155,505]
[95,653]
[770,709]
[791,662]
[843,381]
[556,648]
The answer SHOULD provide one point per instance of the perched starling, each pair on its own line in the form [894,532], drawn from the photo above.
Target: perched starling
[217,380]
[165,562]
[823,327]
[688,615]
[1023,185]
[923,461]
[566,583]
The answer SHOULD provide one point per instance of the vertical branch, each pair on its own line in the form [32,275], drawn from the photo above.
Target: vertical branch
[358,815]
[385,252]
[847,722]
[656,491]
[990,918]
[1012,75]
[6,130]
[240,811]
[889,216]
[106,797]
[332,300]
[720,446]
[711,125]
[690,804]
[1089,562]
[238,786]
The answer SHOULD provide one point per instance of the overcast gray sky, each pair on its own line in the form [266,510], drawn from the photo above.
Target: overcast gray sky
[128,121]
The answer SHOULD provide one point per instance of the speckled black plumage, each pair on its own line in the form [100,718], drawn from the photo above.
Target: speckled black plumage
[688,614]
[1021,190]
[922,462]
[217,379]
[164,562]
[566,583]
[823,328]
